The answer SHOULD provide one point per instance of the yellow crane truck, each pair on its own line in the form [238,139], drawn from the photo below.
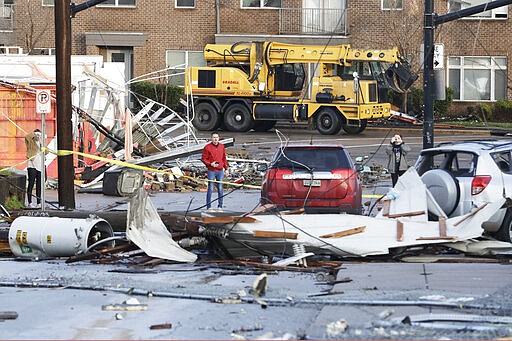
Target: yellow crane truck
[252,85]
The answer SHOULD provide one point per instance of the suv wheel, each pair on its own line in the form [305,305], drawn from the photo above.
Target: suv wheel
[505,231]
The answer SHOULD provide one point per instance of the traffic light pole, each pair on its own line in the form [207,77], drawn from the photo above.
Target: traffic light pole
[431,21]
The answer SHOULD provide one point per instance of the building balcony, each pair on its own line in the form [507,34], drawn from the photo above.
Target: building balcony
[313,21]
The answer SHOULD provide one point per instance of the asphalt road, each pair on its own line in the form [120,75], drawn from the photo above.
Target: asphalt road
[459,298]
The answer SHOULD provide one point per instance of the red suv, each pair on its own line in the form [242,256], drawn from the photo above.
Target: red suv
[320,178]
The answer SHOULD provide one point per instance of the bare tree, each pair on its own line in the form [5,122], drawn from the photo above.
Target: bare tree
[405,20]
[406,27]
[32,24]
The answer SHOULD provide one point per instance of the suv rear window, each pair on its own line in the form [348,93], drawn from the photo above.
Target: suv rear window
[458,163]
[318,159]
[502,160]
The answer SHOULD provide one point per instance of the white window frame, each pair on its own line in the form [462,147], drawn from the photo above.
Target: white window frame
[48,3]
[261,6]
[385,7]
[179,70]
[500,13]
[117,5]
[6,10]
[462,67]
[178,6]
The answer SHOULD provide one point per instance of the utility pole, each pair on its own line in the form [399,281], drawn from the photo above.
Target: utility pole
[64,10]
[66,172]
[431,21]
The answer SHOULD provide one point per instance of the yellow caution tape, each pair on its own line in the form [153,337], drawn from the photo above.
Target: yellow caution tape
[144,168]
[149,169]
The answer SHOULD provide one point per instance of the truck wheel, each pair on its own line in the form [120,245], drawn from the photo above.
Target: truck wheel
[352,130]
[206,117]
[505,231]
[328,122]
[238,118]
[264,125]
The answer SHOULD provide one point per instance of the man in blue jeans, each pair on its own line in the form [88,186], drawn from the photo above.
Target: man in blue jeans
[214,158]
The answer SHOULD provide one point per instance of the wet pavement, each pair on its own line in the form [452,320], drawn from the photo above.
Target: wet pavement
[370,298]
[205,300]
[55,300]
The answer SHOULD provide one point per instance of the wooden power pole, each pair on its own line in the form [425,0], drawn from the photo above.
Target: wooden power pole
[64,10]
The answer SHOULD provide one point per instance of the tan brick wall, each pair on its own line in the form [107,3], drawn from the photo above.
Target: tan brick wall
[190,29]
[372,27]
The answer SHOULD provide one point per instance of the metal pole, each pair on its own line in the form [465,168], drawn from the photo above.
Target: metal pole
[428,75]
[66,171]
[441,19]
[43,169]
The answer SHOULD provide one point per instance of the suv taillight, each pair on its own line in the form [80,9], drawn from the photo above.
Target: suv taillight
[479,183]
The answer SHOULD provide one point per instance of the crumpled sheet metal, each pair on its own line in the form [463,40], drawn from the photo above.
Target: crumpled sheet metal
[147,231]
[320,233]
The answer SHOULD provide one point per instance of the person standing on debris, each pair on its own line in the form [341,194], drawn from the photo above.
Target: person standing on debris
[397,157]
[34,166]
[214,158]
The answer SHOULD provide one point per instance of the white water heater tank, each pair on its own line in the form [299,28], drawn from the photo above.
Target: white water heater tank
[44,237]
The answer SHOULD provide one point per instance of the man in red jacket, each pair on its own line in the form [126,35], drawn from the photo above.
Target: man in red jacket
[214,157]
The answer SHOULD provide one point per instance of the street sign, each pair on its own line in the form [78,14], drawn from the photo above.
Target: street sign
[43,102]
[438,56]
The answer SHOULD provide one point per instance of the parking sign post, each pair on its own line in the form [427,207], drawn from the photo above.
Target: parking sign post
[43,107]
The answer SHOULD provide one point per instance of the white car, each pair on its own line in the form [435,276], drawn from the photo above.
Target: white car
[463,175]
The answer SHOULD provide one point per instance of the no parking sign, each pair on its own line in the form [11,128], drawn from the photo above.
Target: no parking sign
[43,102]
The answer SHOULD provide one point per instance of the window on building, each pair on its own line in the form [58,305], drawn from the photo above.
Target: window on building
[178,61]
[48,2]
[261,3]
[118,3]
[392,4]
[185,3]
[478,78]
[6,9]
[497,13]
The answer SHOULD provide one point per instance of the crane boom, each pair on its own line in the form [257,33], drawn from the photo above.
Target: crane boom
[277,53]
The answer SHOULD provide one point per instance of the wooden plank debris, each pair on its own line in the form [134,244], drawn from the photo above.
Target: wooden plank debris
[227,219]
[97,254]
[273,234]
[399,231]
[405,214]
[297,211]
[470,215]
[264,208]
[385,207]
[442,226]
[344,233]
[161,326]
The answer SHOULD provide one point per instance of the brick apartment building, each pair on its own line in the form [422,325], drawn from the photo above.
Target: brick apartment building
[150,35]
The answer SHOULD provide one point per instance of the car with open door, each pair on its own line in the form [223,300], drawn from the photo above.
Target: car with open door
[463,175]
[318,178]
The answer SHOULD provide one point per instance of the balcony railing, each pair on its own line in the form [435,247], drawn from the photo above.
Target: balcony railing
[6,17]
[313,21]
